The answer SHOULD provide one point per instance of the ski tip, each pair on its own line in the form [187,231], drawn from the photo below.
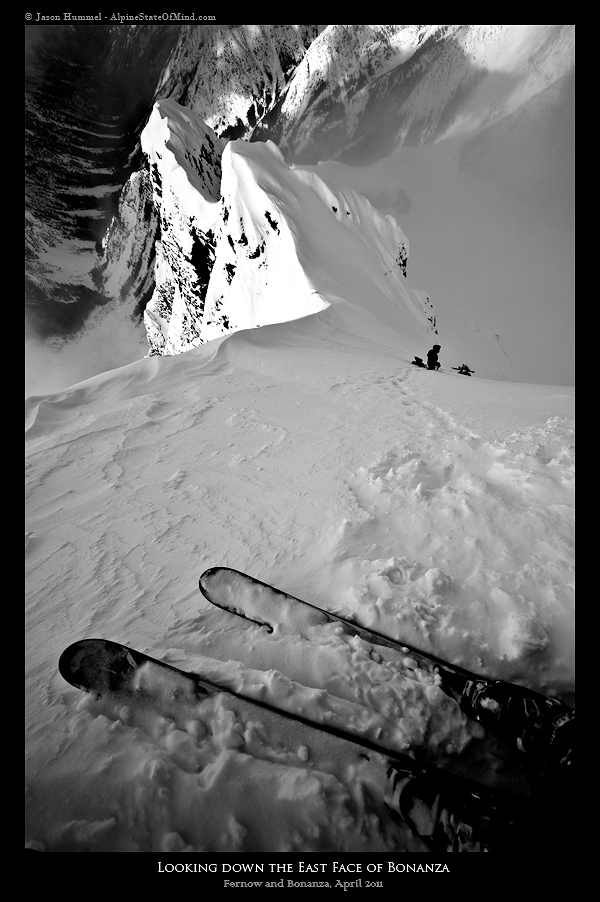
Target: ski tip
[71,660]
[83,663]
[204,577]
[224,587]
[204,581]
[210,574]
[212,580]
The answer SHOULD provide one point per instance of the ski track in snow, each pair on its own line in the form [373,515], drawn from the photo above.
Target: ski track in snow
[339,481]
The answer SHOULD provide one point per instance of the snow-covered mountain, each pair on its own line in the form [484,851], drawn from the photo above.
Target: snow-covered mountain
[245,241]
[485,110]
[98,85]
[362,92]
[231,76]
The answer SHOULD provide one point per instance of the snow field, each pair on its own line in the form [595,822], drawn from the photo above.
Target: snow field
[320,462]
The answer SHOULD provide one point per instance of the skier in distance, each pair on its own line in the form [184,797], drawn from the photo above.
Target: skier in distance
[432,358]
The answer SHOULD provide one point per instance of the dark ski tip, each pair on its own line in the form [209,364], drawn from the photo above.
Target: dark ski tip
[95,665]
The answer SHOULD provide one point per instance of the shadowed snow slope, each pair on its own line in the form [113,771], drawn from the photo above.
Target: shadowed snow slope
[313,456]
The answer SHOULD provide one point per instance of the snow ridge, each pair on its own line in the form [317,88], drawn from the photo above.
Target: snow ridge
[275,246]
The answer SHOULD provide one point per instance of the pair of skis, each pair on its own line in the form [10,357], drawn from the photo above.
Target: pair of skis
[448,812]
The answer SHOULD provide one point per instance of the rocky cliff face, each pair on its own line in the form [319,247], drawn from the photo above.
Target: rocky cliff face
[88,92]
[226,77]
[184,157]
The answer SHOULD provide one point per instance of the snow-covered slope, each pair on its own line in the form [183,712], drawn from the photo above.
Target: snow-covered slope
[481,181]
[467,138]
[312,455]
